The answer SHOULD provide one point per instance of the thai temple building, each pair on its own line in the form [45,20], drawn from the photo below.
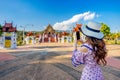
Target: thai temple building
[30,38]
[9,36]
[50,35]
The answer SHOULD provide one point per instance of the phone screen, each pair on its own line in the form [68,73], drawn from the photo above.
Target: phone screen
[78,35]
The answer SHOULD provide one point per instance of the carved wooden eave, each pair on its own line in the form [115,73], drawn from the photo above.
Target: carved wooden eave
[49,29]
[8,27]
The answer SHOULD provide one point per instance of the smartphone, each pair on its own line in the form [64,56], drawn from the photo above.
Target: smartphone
[78,35]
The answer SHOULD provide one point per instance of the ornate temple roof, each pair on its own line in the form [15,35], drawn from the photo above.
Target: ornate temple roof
[29,34]
[77,28]
[48,29]
[8,27]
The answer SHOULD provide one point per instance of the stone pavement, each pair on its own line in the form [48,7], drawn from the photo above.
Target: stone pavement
[111,61]
[6,56]
[54,65]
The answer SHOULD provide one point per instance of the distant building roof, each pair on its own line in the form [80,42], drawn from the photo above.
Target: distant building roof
[29,34]
[8,27]
[49,29]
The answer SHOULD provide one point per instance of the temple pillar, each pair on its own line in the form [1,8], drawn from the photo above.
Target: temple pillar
[33,40]
[74,39]
[43,38]
[59,39]
[55,38]
[40,38]
[70,39]
[74,36]
[27,39]
[2,39]
[62,39]
[67,39]
[49,39]
[13,40]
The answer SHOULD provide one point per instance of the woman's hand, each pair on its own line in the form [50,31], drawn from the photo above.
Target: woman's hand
[80,40]
[76,41]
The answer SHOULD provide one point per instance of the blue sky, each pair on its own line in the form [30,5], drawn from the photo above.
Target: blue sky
[40,13]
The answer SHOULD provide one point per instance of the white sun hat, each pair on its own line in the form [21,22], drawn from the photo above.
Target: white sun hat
[92,29]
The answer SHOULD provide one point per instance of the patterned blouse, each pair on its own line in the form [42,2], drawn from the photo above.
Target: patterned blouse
[92,70]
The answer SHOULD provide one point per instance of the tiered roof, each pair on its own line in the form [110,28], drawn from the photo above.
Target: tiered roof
[8,27]
[49,29]
[29,34]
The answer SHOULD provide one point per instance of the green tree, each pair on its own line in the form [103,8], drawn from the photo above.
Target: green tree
[105,29]
[118,34]
[19,37]
[0,30]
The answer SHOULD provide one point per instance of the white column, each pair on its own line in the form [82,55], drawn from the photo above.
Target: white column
[62,39]
[49,39]
[74,39]
[59,39]
[4,39]
[70,39]
[55,38]
[27,40]
[1,42]
[67,39]
[74,36]
[32,40]
[39,39]
[43,38]
[13,40]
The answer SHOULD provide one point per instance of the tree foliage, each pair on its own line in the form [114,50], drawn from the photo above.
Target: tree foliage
[105,29]
[19,37]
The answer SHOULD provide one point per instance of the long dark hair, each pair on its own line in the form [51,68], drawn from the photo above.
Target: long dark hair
[99,48]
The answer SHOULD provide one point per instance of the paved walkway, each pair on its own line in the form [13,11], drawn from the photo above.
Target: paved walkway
[6,56]
[58,57]
[111,61]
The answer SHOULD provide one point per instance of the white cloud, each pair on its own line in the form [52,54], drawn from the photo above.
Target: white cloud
[89,16]
[64,25]
[97,15]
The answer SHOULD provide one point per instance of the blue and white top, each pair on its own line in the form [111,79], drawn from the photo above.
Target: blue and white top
[85,55]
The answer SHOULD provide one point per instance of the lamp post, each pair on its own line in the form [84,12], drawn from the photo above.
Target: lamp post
[23,35]
[24,31]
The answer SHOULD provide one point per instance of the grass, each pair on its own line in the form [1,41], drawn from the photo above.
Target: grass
[112,42]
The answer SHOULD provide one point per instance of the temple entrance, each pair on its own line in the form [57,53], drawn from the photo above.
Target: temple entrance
[9,36]
[7,40]
[49,34]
